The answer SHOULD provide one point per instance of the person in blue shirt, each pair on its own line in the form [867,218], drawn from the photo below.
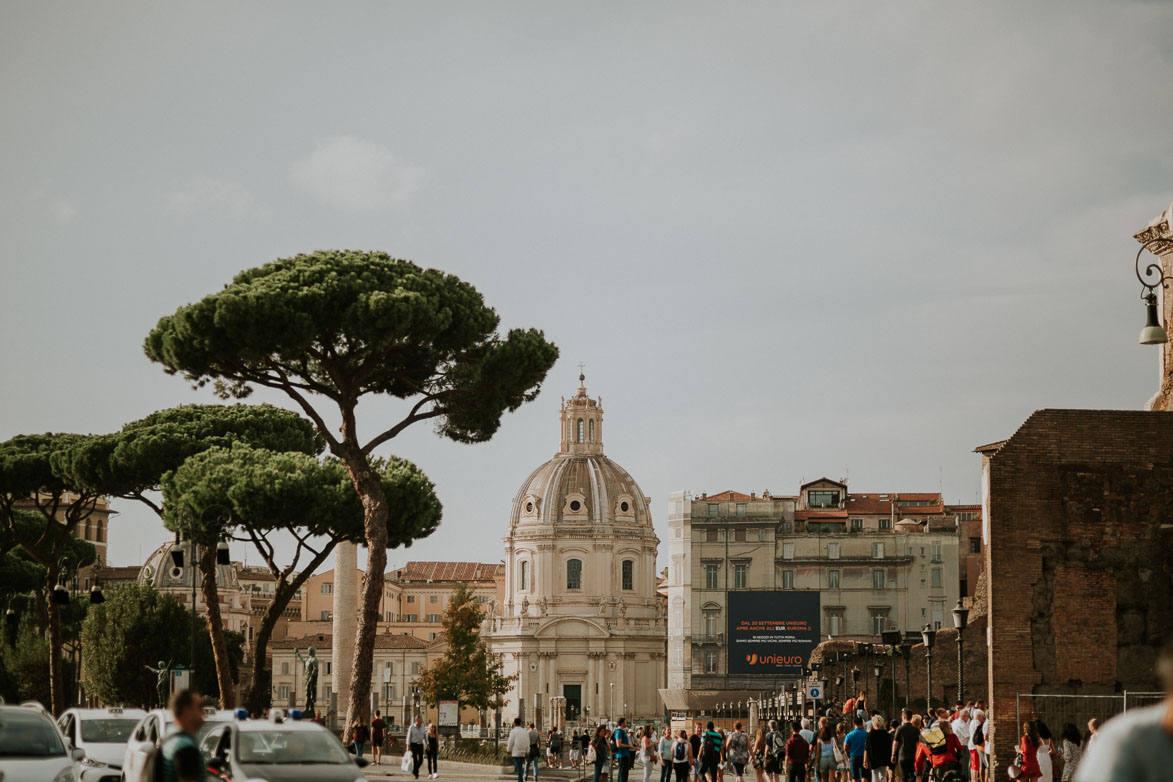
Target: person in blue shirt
[623,747]
[855,743]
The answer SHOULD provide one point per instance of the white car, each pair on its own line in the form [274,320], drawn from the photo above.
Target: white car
[102,734]
[149,735]
[32,749]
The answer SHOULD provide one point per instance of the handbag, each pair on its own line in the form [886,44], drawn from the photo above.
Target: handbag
[405,764]
[1015,769]
[840,758]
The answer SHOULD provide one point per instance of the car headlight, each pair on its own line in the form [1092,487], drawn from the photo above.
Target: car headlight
[88,761]
[64,775]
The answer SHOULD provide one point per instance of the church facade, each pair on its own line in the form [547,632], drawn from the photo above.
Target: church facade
[581,626]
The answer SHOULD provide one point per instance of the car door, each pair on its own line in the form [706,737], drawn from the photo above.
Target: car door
[141,741]
[66,726]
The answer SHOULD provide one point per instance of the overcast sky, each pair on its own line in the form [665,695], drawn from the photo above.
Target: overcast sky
[788,240]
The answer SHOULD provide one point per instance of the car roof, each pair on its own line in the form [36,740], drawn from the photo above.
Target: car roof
[288,726]
[112,711]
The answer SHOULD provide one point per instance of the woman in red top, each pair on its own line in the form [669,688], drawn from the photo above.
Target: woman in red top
[1029,747]
[950,758]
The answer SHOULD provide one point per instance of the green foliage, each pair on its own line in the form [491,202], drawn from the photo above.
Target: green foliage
[343,324]
[24,667]
[134,459]
[138,626]
[266,490]
[467,672]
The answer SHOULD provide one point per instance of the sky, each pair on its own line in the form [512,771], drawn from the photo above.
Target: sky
[787,240]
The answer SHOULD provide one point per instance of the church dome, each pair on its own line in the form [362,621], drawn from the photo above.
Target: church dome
[161,572]
[580,485]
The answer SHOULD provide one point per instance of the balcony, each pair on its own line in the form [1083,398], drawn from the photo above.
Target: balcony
[717,638]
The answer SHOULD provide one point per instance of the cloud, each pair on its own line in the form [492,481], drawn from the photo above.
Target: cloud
[355,175]
[62,211]
[204,194]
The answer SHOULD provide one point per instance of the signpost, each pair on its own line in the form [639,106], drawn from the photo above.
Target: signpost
[772,633]
[815,690]
[448,717]
[180,678]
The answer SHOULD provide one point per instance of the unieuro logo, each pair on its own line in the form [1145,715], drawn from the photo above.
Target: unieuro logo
[773,659]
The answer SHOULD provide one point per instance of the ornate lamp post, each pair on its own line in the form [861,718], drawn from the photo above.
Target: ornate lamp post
[906,653]
[892,639]
[929,636]
[960,621]
[1150,279]
[865,651]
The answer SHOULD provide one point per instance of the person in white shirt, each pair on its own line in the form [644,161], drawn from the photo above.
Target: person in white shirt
[977,754]
[961,727]
[417,737]
[517,746]
[806,732]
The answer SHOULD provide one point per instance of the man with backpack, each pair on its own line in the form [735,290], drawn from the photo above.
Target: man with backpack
[712,750]
[179,757]
[774,762]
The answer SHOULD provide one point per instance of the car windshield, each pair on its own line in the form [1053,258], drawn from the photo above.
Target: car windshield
[27,735]
[107,731]
[277,747]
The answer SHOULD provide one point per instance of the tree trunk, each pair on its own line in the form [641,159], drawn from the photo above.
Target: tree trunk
[282,594]
[374,501]
[216,628]
[56,679]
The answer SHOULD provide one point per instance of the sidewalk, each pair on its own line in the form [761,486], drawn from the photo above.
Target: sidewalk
[451,768]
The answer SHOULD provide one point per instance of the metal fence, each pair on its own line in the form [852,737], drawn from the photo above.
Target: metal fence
[1058,710]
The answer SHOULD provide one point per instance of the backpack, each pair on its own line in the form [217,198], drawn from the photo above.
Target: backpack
[934,739]
[777,744]
[556,742]
[708,745]
[680,752]
[979,736]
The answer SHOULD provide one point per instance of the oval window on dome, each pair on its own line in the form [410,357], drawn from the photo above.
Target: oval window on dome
[575,506]
[529,507]
[624,506]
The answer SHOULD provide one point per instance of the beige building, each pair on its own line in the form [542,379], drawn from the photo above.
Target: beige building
[878,561]
[582,625]
[415,597]
[399,659]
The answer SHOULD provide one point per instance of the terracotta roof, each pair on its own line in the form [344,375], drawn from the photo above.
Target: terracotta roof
[728,496]
[448,571]
[997,446]
[122,573]
[824,479]
[323,641]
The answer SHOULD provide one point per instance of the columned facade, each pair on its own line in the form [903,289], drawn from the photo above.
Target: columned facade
[581,625]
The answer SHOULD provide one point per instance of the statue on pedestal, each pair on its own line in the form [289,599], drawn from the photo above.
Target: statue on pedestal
[310,663]
[162,681]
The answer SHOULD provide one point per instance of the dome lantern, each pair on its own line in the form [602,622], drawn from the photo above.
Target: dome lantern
[582,422]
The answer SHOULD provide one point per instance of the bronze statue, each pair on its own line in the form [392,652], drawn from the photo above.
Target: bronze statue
[310,661]
[162,681]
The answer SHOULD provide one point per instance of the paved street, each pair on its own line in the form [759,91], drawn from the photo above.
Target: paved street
[463,771]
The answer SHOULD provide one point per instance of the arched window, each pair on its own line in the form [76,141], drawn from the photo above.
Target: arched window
[523,578]
[628,574]
[580,430]
[574,574]
[591,429]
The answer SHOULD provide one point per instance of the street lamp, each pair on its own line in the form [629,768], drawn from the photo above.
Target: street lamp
[929,636]
[892,639]
[906,653]
[960,621]
[865,650]
[1152,333]
[611,702]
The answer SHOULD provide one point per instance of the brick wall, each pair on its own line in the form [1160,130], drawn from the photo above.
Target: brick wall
[944,670]
[1079,586]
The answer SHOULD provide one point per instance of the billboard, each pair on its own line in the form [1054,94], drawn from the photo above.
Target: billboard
[771,633]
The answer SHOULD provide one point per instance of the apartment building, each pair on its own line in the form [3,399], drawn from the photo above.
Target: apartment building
[877,561]
[415,597]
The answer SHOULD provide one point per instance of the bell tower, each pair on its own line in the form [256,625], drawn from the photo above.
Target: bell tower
[582,422]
